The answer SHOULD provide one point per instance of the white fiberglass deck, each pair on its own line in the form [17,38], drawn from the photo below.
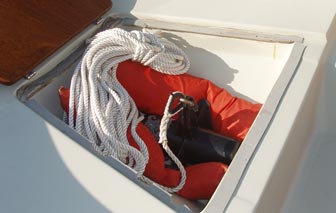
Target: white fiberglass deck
[314,188]
[42,169]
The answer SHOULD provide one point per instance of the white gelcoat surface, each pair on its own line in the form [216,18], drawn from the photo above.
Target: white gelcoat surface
[42,172]
[300,15]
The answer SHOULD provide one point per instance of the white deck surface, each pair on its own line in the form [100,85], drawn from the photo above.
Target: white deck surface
[314,188]
[42,171]
[299,15]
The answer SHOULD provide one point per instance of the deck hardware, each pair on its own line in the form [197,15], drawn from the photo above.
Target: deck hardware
[30,75]
[99,21]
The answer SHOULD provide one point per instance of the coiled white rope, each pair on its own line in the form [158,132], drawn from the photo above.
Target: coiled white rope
[99,106]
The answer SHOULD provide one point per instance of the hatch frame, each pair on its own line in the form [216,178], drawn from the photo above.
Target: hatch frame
[239,165]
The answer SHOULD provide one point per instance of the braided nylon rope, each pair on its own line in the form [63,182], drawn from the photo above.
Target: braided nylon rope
[103,108]
[164,142]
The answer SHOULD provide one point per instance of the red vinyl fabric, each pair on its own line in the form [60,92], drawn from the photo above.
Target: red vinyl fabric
[231,117]
[202,179]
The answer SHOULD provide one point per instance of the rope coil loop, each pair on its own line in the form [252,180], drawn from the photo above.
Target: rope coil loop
[103,108]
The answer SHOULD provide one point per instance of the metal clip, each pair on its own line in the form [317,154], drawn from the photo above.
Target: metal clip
[189,102]
[176,96]
[183,101]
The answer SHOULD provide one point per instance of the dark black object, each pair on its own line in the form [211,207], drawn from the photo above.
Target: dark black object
[193,141]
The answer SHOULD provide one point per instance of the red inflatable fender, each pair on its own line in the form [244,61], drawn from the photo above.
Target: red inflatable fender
[202,179]
[150,90]
[231,116]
